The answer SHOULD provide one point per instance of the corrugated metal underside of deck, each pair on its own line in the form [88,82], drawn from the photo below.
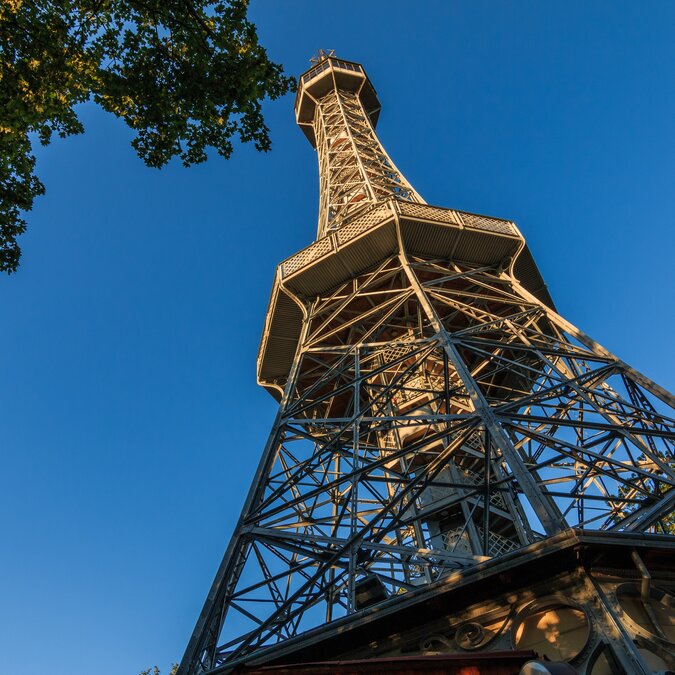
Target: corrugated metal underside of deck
[417,229]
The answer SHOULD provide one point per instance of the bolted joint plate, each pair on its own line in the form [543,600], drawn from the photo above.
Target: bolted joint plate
[374,234]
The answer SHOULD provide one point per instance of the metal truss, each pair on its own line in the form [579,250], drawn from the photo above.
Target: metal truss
[437,414]
[354,169]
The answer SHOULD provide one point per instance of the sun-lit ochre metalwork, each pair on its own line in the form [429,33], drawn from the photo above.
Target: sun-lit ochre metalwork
[354,169]
[435,411]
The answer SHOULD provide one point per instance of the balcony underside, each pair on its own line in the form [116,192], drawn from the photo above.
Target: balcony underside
[388,229]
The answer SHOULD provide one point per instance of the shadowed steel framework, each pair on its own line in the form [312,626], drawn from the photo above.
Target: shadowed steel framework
[435,411]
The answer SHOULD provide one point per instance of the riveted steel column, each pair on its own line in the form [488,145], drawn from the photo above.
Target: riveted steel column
[546,511]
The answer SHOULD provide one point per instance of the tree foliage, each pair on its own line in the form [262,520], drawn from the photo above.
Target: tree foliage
[185,75]
[155,670]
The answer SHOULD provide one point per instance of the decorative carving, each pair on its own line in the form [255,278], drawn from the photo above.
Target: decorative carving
[470,635]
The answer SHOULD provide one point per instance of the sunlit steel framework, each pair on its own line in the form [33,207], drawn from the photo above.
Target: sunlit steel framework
[435,411]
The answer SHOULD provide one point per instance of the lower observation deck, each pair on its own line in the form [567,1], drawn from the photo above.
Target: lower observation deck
[386,229]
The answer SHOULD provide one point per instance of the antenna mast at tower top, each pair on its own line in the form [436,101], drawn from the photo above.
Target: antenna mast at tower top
[322,55]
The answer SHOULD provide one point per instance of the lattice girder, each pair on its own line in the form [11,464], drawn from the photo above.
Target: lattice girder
[435,411]
[437,415]
[337,107]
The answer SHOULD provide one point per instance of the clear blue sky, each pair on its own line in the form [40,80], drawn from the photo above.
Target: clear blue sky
[130,417]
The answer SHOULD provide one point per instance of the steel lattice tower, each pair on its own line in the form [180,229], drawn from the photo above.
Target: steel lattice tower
[435,411]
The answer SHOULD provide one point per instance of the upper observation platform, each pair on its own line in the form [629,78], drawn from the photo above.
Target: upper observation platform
[328,74]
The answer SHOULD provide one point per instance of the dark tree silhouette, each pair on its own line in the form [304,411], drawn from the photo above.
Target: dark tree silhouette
[185,75]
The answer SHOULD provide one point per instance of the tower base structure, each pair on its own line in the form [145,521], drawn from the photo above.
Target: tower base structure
[600,602]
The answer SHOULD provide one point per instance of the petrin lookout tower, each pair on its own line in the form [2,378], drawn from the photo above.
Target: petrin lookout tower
[455,473]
